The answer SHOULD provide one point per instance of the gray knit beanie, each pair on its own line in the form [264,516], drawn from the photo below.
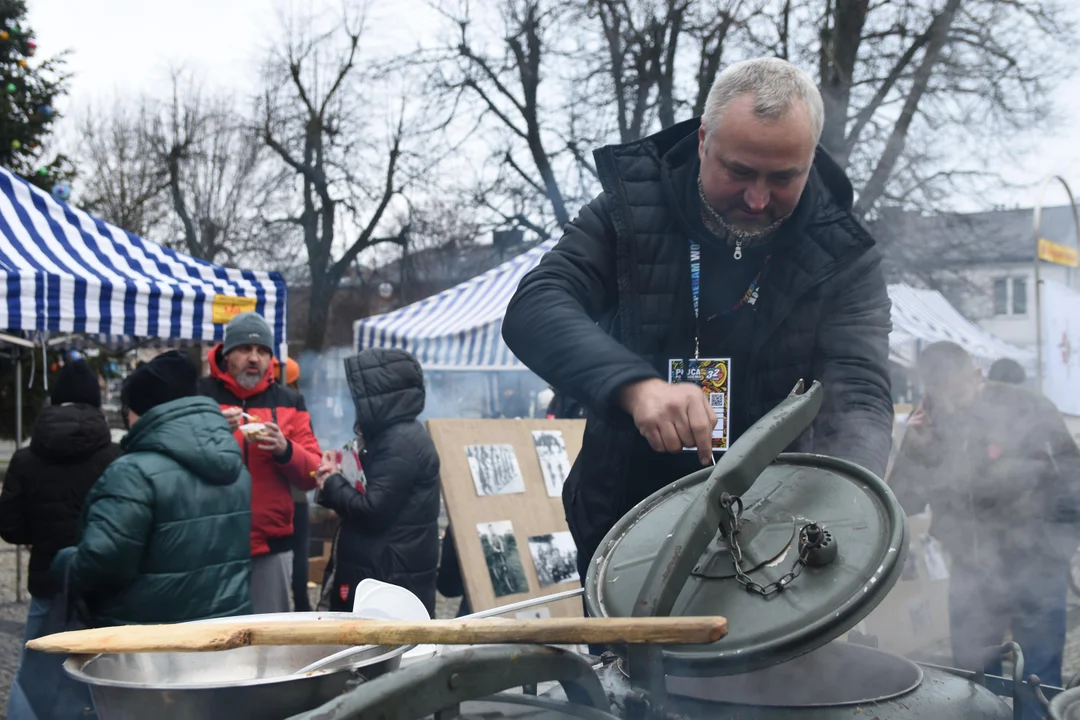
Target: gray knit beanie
[247,329]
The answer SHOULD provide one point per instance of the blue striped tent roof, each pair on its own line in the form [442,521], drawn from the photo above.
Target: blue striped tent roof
[460,328]
[65,271]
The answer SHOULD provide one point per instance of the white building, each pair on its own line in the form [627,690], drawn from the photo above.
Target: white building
[983,263]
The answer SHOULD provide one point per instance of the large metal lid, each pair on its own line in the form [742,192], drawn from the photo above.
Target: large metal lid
[672,555]
[1066,705]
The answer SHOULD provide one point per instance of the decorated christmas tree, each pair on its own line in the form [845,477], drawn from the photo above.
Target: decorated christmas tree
[28,89]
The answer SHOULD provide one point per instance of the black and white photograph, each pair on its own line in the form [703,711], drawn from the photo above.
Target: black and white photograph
[502,558]
[554,462]
[495,469]
[555,558]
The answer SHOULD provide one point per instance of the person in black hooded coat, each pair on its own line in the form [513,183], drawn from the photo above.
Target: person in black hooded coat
[44,490]
[390,527]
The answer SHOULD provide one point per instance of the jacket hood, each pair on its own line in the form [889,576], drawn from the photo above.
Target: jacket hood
[216,360]
[69,432]
[387,386]
[827,172]
[193,432]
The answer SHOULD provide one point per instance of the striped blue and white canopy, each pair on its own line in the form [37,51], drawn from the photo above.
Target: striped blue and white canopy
[460,328]
[65,271]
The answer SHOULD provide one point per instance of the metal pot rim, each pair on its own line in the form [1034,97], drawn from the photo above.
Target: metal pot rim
[74,665]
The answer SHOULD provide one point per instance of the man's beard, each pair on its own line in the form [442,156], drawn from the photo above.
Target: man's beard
[719,226]
[247,381]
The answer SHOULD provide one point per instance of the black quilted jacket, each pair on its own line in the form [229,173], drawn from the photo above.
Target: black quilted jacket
[611,303]
[389,532]
[47,483]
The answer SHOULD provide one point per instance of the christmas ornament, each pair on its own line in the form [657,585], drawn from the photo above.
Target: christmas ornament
[11,87]
[62,191]
[23,64]
[46,111]
[15,144]
[4,35]
[43,171]
[31,47]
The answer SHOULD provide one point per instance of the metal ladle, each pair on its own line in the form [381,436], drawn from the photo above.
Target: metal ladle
[323,663]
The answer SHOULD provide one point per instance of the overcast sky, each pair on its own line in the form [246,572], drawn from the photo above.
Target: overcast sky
[129,45]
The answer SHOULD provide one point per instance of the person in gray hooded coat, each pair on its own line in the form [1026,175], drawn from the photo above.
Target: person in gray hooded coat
[390,521]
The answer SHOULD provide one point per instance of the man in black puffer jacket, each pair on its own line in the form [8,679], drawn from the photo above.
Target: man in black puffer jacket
[726,237]
[390,524]
[44,490]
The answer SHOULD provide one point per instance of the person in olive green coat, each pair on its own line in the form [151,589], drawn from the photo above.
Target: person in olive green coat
[165,530]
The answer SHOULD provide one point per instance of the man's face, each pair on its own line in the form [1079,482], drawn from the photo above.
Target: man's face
[753,171]
[248,364]
[956,394]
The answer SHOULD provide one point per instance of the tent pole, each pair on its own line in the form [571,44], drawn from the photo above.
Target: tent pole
[18,444]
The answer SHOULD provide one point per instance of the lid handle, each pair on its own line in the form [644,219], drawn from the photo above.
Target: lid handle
[734,474]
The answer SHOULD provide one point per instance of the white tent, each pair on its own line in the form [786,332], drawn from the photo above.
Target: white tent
[920,317]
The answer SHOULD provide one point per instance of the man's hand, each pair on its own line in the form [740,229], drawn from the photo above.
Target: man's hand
[329,465]
[671,417]
[275,441]
[235,417]
[919,430]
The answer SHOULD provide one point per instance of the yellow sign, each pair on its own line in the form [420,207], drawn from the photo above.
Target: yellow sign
[1052,252]
[226,307]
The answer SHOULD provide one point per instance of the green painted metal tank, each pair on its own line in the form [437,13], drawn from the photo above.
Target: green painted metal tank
[794,550]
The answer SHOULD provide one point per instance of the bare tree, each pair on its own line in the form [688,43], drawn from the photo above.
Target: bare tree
[967,72]
[661,56]
[506,82]
[214,165]
[346,171]
[187,172]
[122,181]
[922,99]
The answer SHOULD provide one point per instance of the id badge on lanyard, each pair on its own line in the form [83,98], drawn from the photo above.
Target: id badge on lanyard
[712,375]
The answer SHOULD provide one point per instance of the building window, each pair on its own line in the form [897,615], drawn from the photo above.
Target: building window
[1001,296]
[1019,296]
[1010,296]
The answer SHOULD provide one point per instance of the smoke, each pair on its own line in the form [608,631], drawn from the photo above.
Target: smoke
[449,394]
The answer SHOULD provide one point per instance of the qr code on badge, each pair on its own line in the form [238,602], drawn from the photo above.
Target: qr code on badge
[716,400]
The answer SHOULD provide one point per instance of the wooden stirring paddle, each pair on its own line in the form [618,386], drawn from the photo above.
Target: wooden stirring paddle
[207,637]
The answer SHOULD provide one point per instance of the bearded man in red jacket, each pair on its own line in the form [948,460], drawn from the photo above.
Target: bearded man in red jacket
[285,453]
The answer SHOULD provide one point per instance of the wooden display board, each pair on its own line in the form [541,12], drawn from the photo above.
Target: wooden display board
[531,513]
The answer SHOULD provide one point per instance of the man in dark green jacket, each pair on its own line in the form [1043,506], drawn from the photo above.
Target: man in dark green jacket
[165,531]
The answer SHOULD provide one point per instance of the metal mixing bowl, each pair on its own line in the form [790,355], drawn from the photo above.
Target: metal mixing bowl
[251,682]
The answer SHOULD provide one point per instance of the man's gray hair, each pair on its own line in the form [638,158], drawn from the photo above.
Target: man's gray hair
[775,84]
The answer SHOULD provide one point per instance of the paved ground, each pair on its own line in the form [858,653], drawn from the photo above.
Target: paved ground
[12,619]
